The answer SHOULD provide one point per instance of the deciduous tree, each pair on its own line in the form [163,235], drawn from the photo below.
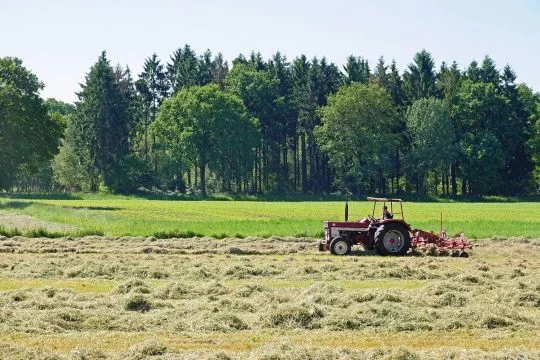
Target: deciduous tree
[208,126]
[432,139]
[259,91]
[28,134]
[356,132]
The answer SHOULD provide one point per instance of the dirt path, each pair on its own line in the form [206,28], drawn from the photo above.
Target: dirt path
[27,222]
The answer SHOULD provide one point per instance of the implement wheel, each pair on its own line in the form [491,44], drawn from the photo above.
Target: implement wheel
[392,239]
[340,246]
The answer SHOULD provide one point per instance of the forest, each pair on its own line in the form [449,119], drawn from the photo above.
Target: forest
[196,125]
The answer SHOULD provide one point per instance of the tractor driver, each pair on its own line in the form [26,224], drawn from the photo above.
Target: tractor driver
[387,214]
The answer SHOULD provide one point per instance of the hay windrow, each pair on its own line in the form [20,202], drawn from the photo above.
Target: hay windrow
[198,299]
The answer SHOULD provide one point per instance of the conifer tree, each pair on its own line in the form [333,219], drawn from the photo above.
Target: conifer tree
[419,78]
[379,75]
[102,126]
[219,69]
[183,70]
[153,89]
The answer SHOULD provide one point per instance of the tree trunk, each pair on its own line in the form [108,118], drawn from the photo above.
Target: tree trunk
[260,171]
[312,164]
[398,170]
[303,161]
[202,170]
[178,179]
[295,160]
[453,168]
[255,172]
[443,181]
[284,172]
[146,118]
[253,176]
[436,182]
[382,187]
[406,180]
[265,165]
[154,153]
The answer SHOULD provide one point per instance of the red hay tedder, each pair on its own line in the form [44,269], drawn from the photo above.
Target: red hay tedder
[388,235]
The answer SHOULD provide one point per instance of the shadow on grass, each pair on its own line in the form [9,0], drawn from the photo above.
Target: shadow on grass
[14,204]
[176,234]
[96,208]
[43,196]
[336,197]
[275,197]
[360,252]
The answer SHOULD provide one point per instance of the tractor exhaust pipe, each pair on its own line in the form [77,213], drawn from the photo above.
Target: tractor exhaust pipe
[440,232]
[347,206]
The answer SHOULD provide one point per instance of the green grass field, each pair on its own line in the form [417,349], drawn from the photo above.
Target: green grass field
[120,216]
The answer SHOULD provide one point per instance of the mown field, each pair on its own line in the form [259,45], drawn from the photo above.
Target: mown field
[118,216]
[255,298]
[244,280]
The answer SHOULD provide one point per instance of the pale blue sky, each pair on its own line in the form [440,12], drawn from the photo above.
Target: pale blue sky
[59,40]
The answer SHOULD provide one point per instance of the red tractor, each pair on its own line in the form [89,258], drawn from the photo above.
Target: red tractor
[387,235]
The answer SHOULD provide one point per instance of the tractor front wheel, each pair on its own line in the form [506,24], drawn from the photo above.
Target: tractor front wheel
[392,239]
[340,246]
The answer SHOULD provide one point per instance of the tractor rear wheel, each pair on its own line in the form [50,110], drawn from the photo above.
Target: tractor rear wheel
[392,239]
[340,246]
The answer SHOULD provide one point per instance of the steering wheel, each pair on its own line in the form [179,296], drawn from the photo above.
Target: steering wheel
[370,218]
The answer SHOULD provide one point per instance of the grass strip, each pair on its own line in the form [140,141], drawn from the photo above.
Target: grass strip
[243,341]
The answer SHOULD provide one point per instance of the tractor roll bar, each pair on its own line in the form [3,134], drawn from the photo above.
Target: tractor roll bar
[391,201]
[383,199]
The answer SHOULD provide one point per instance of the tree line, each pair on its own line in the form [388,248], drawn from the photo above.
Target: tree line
[195,125]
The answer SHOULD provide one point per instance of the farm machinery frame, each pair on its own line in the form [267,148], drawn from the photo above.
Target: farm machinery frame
[388,235]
